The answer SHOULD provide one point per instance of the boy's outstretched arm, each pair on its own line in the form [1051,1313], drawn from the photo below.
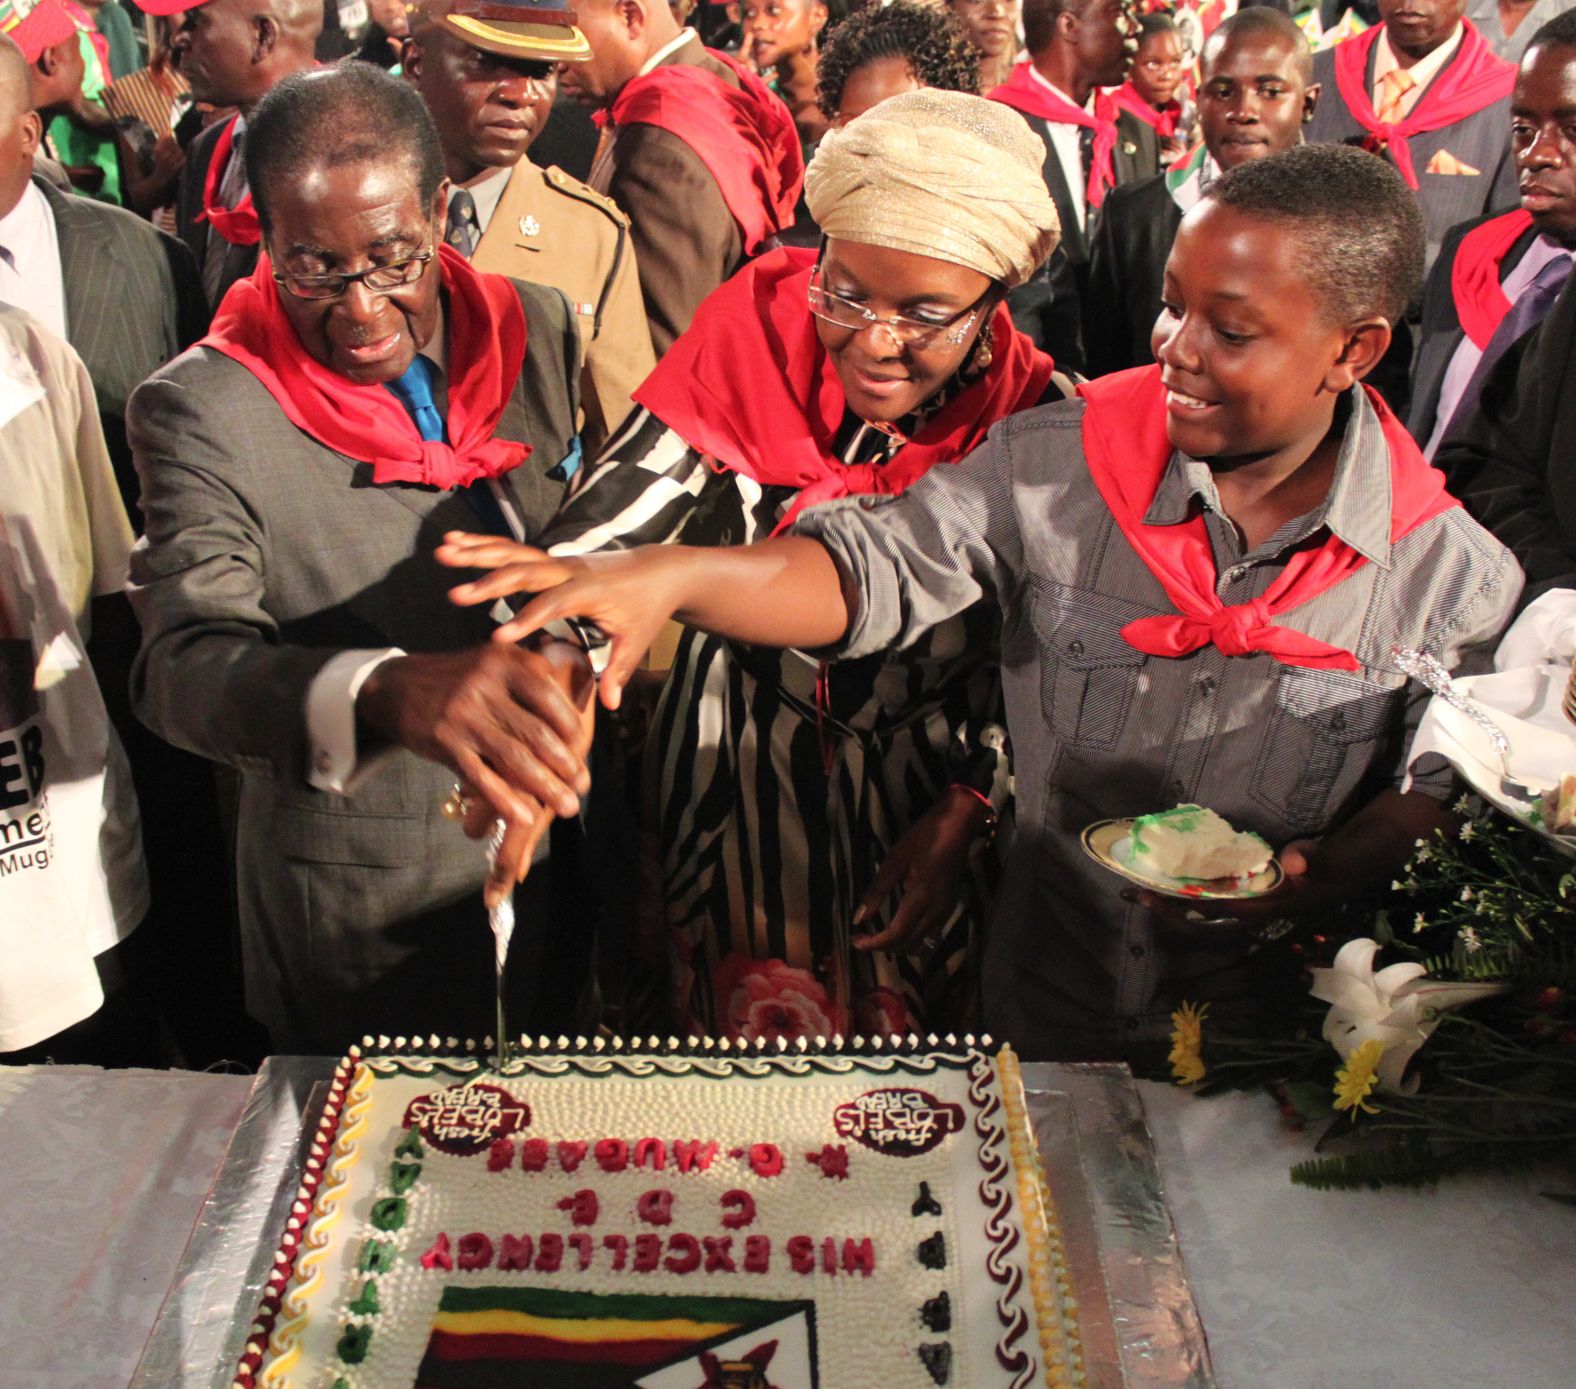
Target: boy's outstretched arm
[782,592]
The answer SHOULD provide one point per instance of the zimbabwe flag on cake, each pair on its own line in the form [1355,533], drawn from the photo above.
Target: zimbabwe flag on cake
[544,1338]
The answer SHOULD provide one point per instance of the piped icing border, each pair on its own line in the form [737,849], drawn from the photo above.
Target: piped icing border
[312,1175]
[1050,1284]
[1000,1231]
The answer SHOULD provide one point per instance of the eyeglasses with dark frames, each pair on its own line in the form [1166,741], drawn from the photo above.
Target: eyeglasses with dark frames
[379,279]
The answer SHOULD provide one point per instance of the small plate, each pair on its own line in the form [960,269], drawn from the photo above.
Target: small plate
[1110,843]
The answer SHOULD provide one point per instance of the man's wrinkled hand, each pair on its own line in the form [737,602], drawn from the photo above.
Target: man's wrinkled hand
[507,720]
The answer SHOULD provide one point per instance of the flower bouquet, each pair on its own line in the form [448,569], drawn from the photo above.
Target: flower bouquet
[1459,1053]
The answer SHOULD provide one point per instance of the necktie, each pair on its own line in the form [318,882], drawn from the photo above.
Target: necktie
[1523,316]
[464,228]
[1394,86]
[414,392]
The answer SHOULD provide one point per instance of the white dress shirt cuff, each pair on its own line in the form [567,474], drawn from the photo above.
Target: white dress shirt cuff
[331,721]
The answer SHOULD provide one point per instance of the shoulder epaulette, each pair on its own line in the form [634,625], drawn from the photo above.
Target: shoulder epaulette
[572,187]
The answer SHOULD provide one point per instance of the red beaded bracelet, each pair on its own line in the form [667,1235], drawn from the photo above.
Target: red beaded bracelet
[983,799]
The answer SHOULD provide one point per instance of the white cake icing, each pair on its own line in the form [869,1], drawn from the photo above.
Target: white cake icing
[1192,841]
[658,1176]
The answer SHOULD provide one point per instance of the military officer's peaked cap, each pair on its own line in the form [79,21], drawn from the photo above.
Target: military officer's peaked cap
[540,29]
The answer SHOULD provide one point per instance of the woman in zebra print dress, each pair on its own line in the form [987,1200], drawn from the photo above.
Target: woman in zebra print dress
[779,786]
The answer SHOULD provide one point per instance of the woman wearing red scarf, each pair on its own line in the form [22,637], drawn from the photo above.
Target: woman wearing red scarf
[782,786]
[1201,569]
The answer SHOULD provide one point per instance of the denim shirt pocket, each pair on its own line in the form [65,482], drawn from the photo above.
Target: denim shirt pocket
[1321,740]
[1088,672]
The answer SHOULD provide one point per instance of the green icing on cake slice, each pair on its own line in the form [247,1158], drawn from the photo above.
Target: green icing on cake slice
[1169,842]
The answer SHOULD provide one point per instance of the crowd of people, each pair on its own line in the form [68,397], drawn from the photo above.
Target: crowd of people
[751,485]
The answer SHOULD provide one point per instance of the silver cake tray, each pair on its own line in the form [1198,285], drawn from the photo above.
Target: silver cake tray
[1139,1325]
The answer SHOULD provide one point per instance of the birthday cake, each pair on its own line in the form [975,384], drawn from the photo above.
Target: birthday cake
[869,1216]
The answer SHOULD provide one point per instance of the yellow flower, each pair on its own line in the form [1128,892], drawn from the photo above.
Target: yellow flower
[1187,1040]
[1355,1081]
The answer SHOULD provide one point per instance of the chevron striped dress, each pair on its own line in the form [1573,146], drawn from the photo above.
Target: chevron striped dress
[776,784]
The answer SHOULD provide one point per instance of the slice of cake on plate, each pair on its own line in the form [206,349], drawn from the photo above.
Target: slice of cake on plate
[1193,842]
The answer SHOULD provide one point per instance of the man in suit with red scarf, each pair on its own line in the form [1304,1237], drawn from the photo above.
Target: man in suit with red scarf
[1255,99]
[700,155]
[1498,276]
[1076,49]
[1424,90]
[363,392]
[230,53]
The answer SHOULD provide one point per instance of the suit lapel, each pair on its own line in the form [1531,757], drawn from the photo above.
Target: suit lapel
[525,483]
[86,250]
[193,232]
[1073,245]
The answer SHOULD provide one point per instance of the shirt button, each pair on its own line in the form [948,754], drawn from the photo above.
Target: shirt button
[1136,951]
[1207,684]
[1337,722]
[1075,648]
[325,762]
[1235,573]
[1175,790]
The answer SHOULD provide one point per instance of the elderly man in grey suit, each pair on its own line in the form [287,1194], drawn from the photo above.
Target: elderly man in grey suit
[230,53]
[361,394]
[121,292]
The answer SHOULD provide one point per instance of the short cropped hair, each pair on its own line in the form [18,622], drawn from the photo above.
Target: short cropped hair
[1266,23]
[1559,32]
[327,117]
[1156,22]
[1039,21]
[934,42]
[1358,221]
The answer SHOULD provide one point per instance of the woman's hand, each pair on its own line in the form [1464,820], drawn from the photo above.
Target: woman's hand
[929,861]
[629,595]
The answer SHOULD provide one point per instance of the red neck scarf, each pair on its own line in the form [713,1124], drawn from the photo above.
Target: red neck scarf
[238,225]
[486,351]
[1127,448]
[743,135]
[1161,119]
[1025,92]
[750,385]
[1471,80]
[1475,278]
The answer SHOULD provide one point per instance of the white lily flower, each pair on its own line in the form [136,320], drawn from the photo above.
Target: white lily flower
[1394,1006]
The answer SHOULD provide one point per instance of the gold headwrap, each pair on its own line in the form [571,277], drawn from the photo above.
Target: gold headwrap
[940,174]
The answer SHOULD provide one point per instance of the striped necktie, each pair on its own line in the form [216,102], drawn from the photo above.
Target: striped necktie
[464,227]
[1394,85]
